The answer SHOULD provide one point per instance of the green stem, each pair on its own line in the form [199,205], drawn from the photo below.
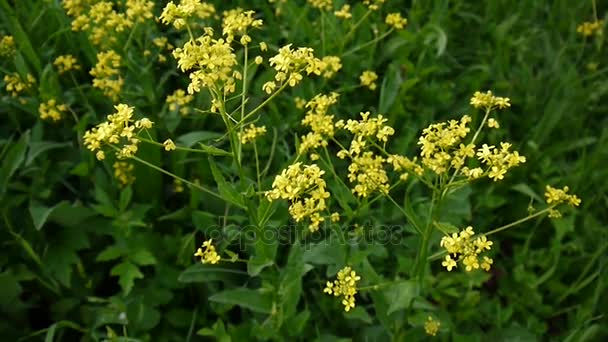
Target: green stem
[405,213]
[257,166]
[261,105]
[161,170]
[371,42]
[522,220]
[354,27]
[426,239]
[178,148]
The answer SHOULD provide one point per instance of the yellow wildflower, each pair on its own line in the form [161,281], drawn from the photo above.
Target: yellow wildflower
[304,187]
[209,255]
[368,79]
[396,21]
[66,63]
[323,5]
[462,247]
[343,12]
[321,124]
[373,5]
[330,65]
[106,74]
[431,326]
[488,101]
[7,46]
[589,28]
[237,22]
[178,101]
[290,64]
[177,15]
[251,133]
[492,123]
[15,85]
[345,285]
[169,145]
[558,196]
[123,172]
[51,110]
[258,60]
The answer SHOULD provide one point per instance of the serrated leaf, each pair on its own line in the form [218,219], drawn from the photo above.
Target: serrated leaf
[110,253]
[143,257]
[127,273]
[246,298]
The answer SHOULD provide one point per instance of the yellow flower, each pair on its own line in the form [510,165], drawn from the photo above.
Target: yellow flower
[396,21]
[588,28]
[15,85]
[463,248]
[237,22]
[373,5]
[123,172]
[304,187]
[488,101]
[251,133]
[66,63]
[431,326]
[107,75]
[258,60]
[558,196]
[344,12]
[492,123]
[323,5]
[345,285]
[169,145]
[51,110]
[290,64]
[7,46]
[178,101]
[368,79]
[177,15]
[209,255]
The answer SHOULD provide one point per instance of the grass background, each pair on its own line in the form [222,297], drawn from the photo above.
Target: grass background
[549,282]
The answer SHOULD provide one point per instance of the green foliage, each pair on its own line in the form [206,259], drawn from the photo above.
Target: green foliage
[88,257]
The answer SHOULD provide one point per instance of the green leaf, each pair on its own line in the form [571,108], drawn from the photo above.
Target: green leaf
[127,273]
[226,190]
[143,257]
[212,150]
[110,253]
[36,148]
[526,190]
[41,213]
[360,314]
[391,85]
[400,295]
[246,298]
[125,198]
[200,273]
[446,228]
[14,157]
[189,139]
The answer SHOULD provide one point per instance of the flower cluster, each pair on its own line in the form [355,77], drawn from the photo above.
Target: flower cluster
[107,75]
[321,124]
[346,286]
[555,196]
[251,133]
[209,255]
[66,63]
[51,110]
[464,248]
[102,21]
[15,85]
[118,130]
[237,22]
[366,169]
[290,64]
[123,172]
[323,5]
[589,28]
[488,101]
[343,12]
[7,46]
[212,62]
[178,101]
[431,326]
[440,147]
[177,15]
[498,161]
[162,43]
[405,165]
[330,65]
[373,5]
[368,79]
[396,21]
[305,188]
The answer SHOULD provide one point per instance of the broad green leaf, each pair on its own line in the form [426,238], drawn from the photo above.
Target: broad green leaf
[200,273]
[11,161]
[40,213]
[125,198]
[127,273]
[110,253]
[400,295]
[36,148]
[143,257]
[214,151]
[255,265]
[246,298]
[226,190]
[191,138]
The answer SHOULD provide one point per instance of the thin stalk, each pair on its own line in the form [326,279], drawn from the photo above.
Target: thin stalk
[179,148]
[257,166]
[371,42]
[426,238]
[161,170]
[354,27]
[522,220]
[243,94]
[405,213]
[261,105]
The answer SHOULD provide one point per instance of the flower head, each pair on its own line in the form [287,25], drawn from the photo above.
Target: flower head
[208,255]
[345,285]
